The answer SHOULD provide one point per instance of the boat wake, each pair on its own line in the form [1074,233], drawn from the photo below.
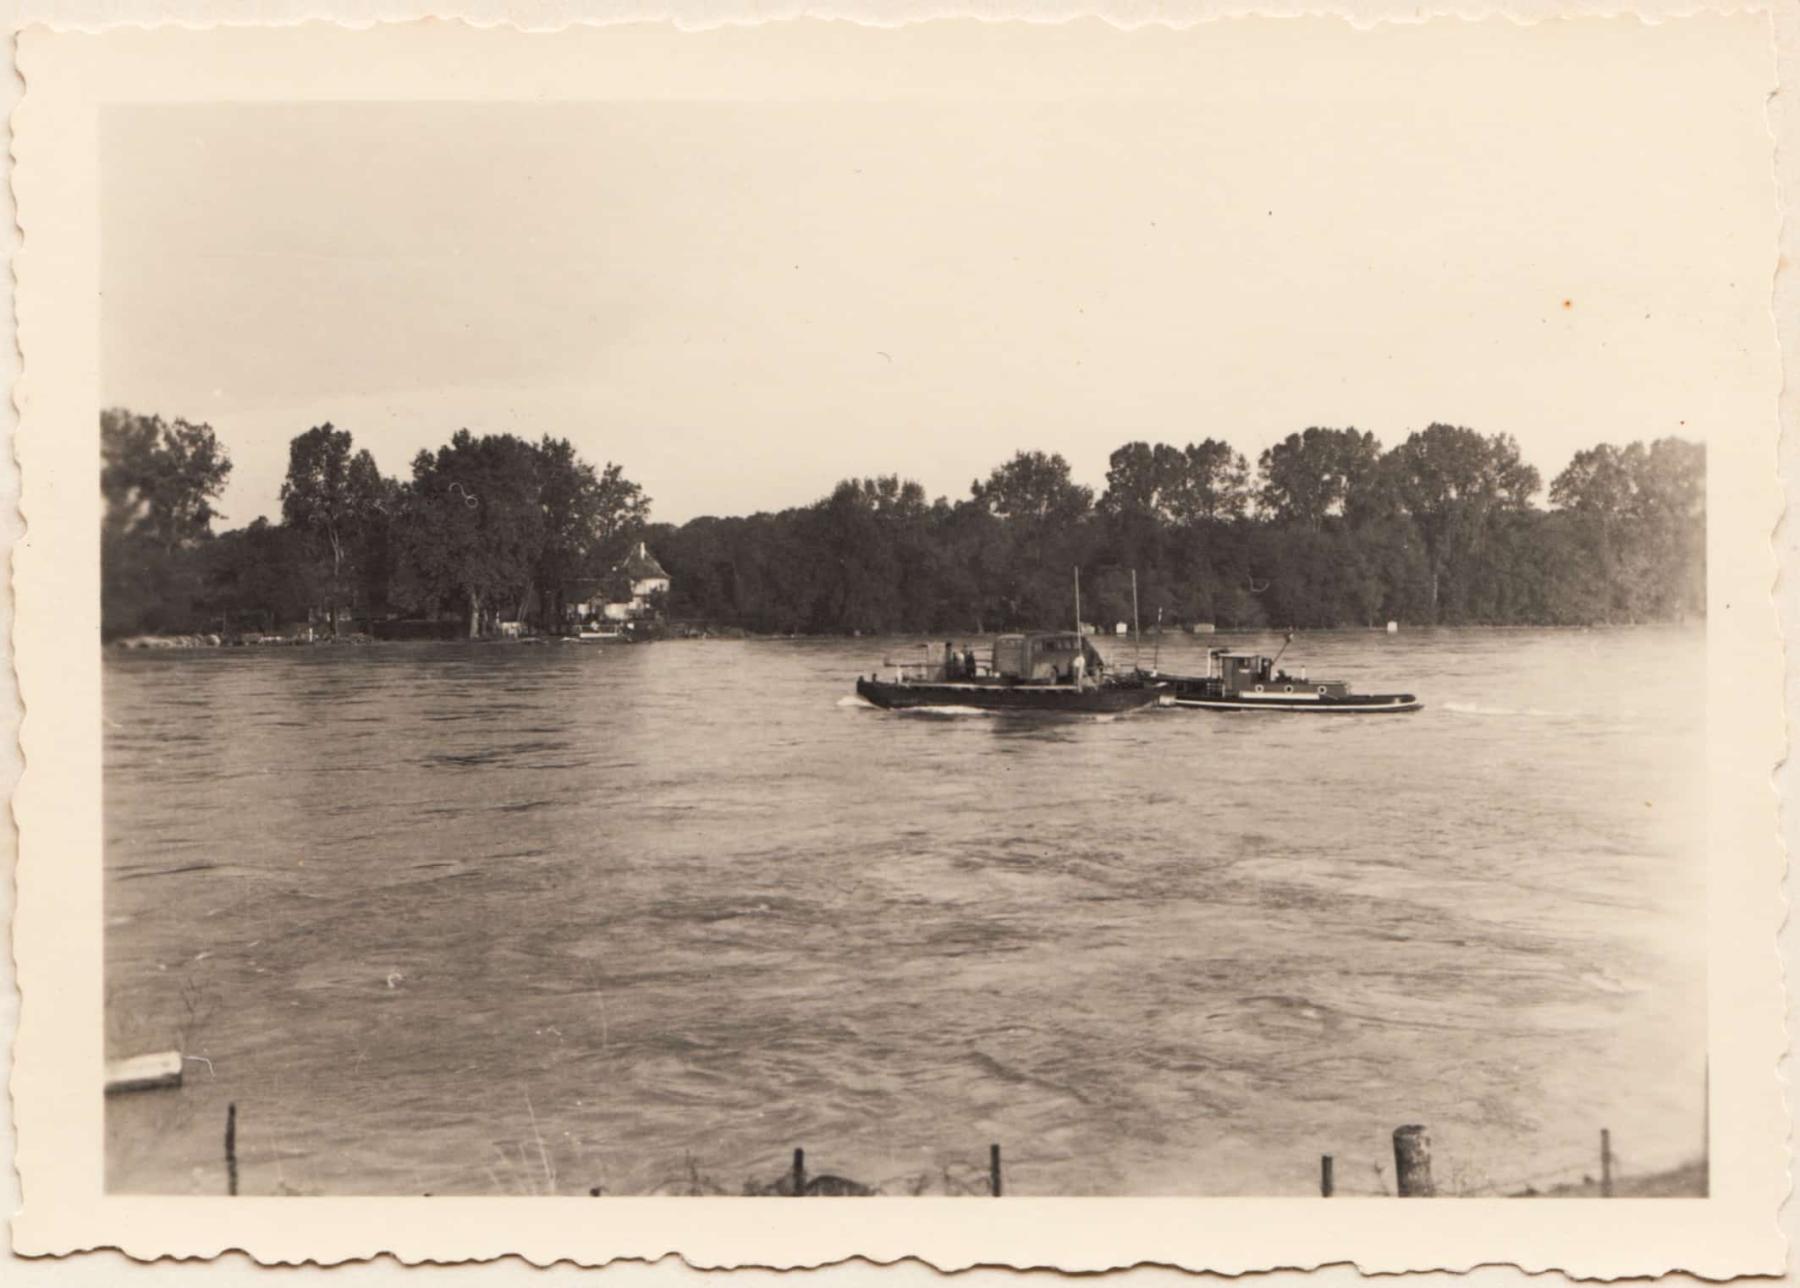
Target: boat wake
[1477,709]
[857,702]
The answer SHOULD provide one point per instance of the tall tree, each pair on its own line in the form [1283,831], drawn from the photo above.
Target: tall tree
[589,517]
[1671,480]
[1602,480]
[1142,481]
[1042,512]
[160,479]
[471,527]
[1672,493]
[1034,488]
[1203,481]
[1143,488]
[1637,517]
[1211,483]
[332,497]
[864,533]
[1452,482]
[1317,473]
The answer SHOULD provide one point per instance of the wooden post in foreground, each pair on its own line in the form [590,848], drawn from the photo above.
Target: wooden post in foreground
[1412,1162]
[799,1173]
[1706,1128]
[994,1169]
[1606,1186]
[231,1179]
[1326,1181]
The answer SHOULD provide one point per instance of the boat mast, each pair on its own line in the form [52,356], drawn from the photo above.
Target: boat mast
[1137,636]
[1080,639]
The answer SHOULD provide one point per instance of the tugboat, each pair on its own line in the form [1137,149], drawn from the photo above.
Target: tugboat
[1251,682]
[1048,672]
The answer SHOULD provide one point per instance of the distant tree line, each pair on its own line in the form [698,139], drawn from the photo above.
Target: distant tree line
[1328,529]
[487,529]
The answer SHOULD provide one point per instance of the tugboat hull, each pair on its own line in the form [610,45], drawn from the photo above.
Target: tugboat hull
[1025,699]
[1356,704]
[1206,694]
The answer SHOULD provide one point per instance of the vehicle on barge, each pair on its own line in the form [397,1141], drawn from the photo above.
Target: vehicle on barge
[1047,672]
[1252,682]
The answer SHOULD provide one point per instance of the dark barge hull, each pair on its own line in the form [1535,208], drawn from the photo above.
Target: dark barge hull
[1025,699]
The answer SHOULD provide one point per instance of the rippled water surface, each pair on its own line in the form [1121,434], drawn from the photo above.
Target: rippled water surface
[503,918]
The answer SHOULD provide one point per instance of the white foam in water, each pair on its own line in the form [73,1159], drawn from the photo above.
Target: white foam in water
[1476,709]
[1612,984]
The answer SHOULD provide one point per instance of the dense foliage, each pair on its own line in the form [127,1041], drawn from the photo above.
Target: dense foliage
[157,483]
[1328,529]
[488,528]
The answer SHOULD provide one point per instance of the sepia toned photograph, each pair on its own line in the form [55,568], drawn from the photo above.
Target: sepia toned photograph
[1152,636]
[572,728]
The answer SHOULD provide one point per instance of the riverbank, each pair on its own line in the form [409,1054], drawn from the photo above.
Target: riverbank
[689,632]
[305,637]
[164,642]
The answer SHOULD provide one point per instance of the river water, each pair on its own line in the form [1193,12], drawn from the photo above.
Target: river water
[459,918]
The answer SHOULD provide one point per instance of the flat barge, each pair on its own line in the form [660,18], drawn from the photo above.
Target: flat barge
[1047,673]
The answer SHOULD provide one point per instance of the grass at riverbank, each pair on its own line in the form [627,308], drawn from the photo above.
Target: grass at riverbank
[1688,1181]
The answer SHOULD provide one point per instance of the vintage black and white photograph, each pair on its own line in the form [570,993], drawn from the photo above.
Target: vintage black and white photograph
[642,656]
[1138,636]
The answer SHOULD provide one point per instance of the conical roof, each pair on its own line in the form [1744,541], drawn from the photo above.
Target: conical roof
[641,565]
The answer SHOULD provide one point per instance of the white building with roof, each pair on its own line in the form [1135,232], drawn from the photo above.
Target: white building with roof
[648,582]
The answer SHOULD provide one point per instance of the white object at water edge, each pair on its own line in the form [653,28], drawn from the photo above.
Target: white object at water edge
[144,1072]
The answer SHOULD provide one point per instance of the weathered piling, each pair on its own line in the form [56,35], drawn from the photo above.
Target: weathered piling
[1412,1162]
[994,1169]
[1606,1162]
[799,1173]
[1326,1182]
[231,1173]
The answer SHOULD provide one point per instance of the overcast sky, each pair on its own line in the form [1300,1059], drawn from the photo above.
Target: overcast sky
[744,302]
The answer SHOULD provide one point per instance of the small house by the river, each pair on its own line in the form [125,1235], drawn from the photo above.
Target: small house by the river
[634,591]
[647,582]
